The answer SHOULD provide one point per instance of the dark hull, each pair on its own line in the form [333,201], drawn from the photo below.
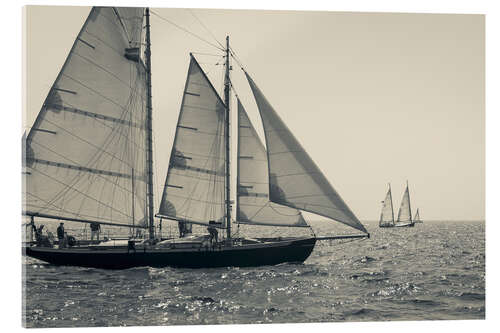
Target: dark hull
[408,225]
[272,253]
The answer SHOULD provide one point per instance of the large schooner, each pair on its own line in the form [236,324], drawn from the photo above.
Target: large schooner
[88,159]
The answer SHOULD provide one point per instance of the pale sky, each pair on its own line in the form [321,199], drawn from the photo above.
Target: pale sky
[373,98]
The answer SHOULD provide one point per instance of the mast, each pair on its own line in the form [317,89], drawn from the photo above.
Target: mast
[392,208]
[149,130]
[409,201]
[226,101]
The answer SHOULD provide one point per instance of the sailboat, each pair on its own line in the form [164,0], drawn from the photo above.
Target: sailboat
[387,214]
[404,213]
[88,159]
[417,219]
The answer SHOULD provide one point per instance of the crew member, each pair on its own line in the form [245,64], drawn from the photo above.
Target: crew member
[214,234]
[61,235]
[95,228]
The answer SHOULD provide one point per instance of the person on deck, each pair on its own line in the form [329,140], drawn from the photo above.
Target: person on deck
[41,239]
[95,228]
[61,236]
[38,234]
[214,234]
[182,228]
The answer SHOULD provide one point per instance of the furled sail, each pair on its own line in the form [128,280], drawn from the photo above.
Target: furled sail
[252,197]
[387,214]
[85,155]
[294,179]
[404,214]
[194,190]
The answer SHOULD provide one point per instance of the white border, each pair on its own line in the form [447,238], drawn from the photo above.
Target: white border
[11,132]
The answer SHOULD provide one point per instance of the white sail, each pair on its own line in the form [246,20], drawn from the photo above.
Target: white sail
[294,179]
[195,185]
[85,156]
[404,214]
[252,197]
[387,214]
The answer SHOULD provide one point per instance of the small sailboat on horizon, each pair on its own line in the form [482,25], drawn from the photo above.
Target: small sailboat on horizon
[387,214]
[417,219]
[404,213]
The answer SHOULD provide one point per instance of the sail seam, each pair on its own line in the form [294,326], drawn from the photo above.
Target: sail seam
[103,178]
[198,200]
[131,88]
[89,143]
[254,194]
[94,115]
[84,194]
[85,169]
[96,92]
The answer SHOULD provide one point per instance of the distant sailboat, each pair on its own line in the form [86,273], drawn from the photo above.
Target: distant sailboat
[404,214]
[387,214]
[88,159]
[417,219]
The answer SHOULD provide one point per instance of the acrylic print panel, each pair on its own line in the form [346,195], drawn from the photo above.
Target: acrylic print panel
[369,98]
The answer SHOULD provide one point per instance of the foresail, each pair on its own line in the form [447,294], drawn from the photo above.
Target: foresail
[84,157]
[195,185]
[387,214]
[404,214]
[294,179]
[253,205]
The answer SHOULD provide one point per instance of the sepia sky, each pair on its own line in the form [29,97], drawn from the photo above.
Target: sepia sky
[373,98]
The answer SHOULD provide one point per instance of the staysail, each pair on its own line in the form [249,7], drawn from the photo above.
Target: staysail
[252,197]
[387,214]
[404,214]
[194,189]
[294,179]
[85,155]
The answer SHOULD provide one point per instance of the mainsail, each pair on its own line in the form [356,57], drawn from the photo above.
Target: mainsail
[404,214]
[252,197]
[387,214]
[194,189]
[85,155]
[294,179]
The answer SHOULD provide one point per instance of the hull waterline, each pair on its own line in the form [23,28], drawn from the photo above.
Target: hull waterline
[296,250]
[405,225]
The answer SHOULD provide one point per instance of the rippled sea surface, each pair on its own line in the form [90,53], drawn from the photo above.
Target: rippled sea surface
[435,270]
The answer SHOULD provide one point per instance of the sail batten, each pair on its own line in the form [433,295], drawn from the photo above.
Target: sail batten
[90,132]
[195,183]
[252,196]
[294,179]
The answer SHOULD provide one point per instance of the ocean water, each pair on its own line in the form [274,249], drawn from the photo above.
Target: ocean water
[433,271]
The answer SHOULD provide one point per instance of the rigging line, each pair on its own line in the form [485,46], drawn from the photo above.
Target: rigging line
[236,58]
[208,54]
[74,162]
[277,212]
[204,26]
[186,31]
[74,189]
